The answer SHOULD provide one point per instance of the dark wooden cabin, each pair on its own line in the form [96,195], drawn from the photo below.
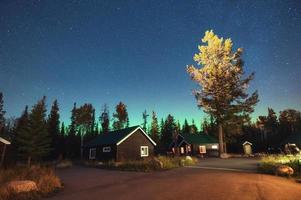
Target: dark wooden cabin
[195,144]
[126,144]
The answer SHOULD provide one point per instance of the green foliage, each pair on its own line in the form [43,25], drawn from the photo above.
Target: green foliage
[32,138]
[168,132]
[105,119]
[121,119]
[154,131]
[269,163]
[53,126]
[223,90]
[146,165]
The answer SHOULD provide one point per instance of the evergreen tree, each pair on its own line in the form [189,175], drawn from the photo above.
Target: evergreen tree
[144,117]
[33,139]
[2,113]
[53,125]
[192,128]
[84,116]
[223,92]
[105,119]
[185,128]
[168,132]
[63,130]
[154,130]
[121,119]
[72,139]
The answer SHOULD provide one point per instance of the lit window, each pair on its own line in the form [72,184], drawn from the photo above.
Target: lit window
[202,149]
[182,150]
[92,153]
[144,151]
[214,147]
[106,149]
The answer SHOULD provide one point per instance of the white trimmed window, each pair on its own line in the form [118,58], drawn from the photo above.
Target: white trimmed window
[92,153]
[106,149]
[144,151]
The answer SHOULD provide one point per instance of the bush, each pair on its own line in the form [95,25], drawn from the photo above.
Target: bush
[44,177]
[153,164]
[268,164]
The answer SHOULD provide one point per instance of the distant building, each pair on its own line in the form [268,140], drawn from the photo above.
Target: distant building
[126,144]
[195,144]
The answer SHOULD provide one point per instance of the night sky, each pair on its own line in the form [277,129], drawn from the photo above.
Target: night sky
[136,51]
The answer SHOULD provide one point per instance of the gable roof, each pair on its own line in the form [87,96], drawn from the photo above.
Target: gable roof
[116,137]
[247,142]
[199,138]
[4,141]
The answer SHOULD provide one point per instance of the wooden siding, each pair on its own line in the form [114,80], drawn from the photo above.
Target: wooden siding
[130,148]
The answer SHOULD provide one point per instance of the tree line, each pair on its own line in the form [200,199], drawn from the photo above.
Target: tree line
[36,136]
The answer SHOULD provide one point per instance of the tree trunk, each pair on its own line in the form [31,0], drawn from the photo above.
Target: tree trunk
[28,161]
[81,146]
[220,139]
[2,156]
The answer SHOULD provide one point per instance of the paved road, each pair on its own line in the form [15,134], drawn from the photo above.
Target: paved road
[232,164]
[183,183]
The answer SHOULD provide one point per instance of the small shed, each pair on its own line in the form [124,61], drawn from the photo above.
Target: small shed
[126,144]
[247,147]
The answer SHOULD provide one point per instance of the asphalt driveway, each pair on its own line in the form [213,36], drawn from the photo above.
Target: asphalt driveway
[230,164]
[183,183]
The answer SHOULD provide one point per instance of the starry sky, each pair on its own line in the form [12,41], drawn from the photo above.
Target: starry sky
[98,52]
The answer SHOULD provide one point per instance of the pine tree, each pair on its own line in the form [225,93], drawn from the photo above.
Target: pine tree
[72,139]
[53,125]
[223,92]
[121,119]
[105,119]
[168,132]
[154,130]
[185,128]
[63,130]
[2,113]
[33,139]
[144,117]
[192,128]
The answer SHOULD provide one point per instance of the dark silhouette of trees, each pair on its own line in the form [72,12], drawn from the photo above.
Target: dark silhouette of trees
[53,125]
[33,140]
[168,132]
[84,122]
[144,117]
[154,130]
[121,119]
[2,113]
[105,119]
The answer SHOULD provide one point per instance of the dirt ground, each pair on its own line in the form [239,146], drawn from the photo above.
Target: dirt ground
[183,183]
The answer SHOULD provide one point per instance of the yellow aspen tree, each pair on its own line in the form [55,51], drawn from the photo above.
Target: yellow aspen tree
[223,87]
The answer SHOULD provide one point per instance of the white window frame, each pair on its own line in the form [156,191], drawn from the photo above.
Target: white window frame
[142,151]
[106,149]
[90,154]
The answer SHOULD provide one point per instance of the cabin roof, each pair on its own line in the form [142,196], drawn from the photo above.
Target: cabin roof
[199,138]
[116,137]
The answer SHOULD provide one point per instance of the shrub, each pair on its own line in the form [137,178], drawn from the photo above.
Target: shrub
[268,164]
[146,165]
[44,177]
